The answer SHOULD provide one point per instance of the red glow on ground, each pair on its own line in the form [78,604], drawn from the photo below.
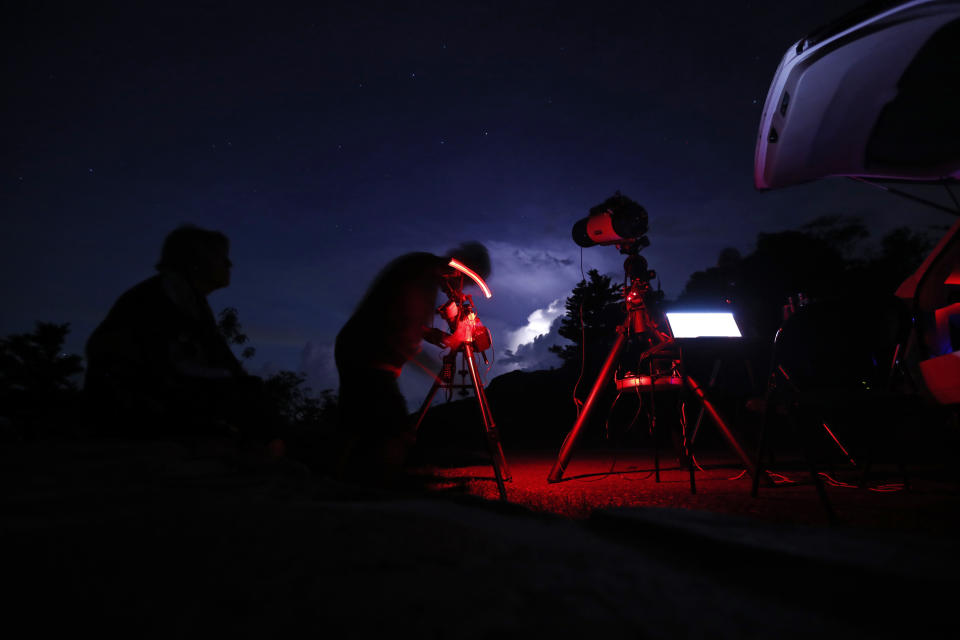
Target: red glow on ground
[597,480]
[473,275]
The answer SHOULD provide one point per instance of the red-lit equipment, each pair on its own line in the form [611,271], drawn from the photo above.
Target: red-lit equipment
[466,338]
[659,366]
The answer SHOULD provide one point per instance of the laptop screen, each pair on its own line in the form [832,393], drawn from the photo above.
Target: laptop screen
[703,325]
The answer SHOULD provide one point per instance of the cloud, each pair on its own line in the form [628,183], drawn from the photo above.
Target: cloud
[537,275]
[533,258]
[530,285]
[538,324]
[535,354]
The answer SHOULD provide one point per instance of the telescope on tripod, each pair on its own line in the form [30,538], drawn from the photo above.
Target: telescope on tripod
[621,222]
[467,338]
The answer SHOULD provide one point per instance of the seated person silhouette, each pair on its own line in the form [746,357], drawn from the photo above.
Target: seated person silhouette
[158,365]
[384,333]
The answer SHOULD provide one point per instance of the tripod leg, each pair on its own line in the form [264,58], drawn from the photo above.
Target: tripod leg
[690,463]
[426,405]
[556,473]
[713,380]
[724,429]
[806,439]
[656,449]
[500,469]
[686,449]
[653,425]
[826,428]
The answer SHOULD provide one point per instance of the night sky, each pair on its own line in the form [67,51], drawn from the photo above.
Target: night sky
[326,139]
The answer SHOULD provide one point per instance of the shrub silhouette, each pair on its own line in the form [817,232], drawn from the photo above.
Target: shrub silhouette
[821,259]
[292,401]
[38,388]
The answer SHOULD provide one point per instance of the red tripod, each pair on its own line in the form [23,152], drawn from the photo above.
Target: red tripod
[659,368]
[467,337]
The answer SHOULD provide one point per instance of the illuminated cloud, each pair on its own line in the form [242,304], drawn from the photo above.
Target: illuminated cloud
[535,275]
[531,284]
[538,324]
[533,355]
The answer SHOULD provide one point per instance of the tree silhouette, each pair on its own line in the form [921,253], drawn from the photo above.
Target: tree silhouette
[37,379]
[228,323]
[292,401]
[822,260]
[296,404]
[901,253]
[593,313]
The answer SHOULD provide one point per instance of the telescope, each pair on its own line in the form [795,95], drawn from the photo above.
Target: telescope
[467,337]
[620,221]
[617,220]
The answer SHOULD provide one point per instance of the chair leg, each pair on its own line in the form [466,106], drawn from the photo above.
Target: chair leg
[902,464]
[866,462]
[761,441]
[806,438]
[759,469]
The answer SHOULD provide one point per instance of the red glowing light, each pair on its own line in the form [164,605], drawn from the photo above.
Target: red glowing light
[459,266]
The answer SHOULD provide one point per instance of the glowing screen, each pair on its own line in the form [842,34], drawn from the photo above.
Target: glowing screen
[703,325]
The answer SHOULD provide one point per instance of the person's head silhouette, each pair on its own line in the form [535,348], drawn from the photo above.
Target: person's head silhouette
[200,255]
[474,255]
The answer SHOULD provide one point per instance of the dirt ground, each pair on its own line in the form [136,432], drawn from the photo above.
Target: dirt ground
[921,498]
[152,540]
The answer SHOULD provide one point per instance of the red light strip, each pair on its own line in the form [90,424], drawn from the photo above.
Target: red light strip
[459,266]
